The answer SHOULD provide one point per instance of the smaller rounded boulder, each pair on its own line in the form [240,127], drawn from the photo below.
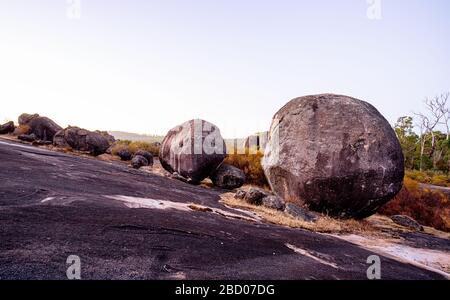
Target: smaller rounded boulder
[193,149]
[139,161]
[228,177]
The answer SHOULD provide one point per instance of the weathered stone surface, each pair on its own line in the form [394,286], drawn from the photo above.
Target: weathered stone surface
[407,222]
[139,161]
[334,154]
[194,150]
[240,194]
[300,213]
[274,202]
[255,196]
[148,156]
[124,154]
[227,177]
[81,139]
[111,140]
[7,128]
[27,137]
[44,128]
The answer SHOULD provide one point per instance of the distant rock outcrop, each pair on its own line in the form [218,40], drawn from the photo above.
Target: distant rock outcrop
[7,128]
[193,150]
[80,139]
[44,128]
[333,154]
[227,177]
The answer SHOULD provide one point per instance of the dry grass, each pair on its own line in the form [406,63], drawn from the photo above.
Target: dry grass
[324,224]
[250,164]
[133,147]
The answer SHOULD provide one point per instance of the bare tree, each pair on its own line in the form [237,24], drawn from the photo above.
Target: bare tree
[445,111]
[423,126]
[438,113]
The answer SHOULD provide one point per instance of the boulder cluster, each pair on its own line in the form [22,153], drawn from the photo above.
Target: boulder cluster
[140,158]
[41,130]
[325,153]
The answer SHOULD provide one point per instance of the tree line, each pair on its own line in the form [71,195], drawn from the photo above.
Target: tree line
[428,148]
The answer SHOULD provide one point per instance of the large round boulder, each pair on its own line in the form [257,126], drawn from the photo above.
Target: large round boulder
[44,128]
[333,154]
[81,139]
[193,149]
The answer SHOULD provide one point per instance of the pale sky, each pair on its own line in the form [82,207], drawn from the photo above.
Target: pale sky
[146,66]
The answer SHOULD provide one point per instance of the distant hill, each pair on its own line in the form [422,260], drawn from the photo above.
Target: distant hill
[121,135]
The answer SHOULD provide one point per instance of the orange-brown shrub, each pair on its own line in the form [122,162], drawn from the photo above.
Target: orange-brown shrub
[22,129]
[430,208]
[250,164]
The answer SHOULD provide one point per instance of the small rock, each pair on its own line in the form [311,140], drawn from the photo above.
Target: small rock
[139,161]
[300,213]
[255,196]
[274,202]
[407,222]
[124,155]
[240,194]
[7,128]
[27,137]
[228,177]
[148,156]
[177,176]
